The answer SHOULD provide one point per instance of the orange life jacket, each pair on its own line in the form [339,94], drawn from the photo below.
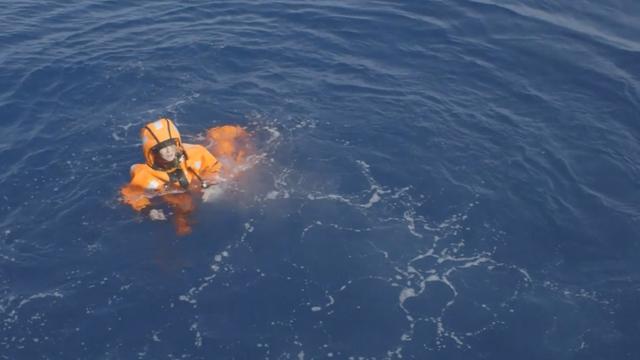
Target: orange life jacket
[149,179]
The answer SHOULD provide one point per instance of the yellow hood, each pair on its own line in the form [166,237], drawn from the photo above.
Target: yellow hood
[156,132]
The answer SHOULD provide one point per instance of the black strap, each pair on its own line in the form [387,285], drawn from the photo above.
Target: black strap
[179,176]
[168,127]
[202,182]
[152,134]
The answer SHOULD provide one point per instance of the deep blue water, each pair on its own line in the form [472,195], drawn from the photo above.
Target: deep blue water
[431,180]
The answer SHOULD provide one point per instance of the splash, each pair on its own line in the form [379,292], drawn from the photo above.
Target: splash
[231,145]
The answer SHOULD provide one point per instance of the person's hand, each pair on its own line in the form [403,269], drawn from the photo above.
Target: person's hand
[157,215]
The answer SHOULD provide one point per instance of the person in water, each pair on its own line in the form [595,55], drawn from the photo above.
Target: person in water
[172,171]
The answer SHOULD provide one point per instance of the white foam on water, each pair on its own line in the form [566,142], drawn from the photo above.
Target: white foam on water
[11,306]
[198,336]
[274,134]
[213,192]
[216,266]
[405,294]
[440,253]
[408,216]
[272,195]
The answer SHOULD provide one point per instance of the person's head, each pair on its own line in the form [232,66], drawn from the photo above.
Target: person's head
[166,155]
[161,144]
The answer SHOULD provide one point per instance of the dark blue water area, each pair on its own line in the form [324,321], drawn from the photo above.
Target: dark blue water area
[428,179]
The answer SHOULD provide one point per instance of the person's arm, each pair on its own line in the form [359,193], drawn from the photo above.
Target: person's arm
[211,165]
[135,195]
[204,164]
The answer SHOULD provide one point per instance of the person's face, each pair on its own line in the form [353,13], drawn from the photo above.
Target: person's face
[168,153]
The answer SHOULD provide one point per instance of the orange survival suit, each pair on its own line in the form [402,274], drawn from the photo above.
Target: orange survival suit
[172,181]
